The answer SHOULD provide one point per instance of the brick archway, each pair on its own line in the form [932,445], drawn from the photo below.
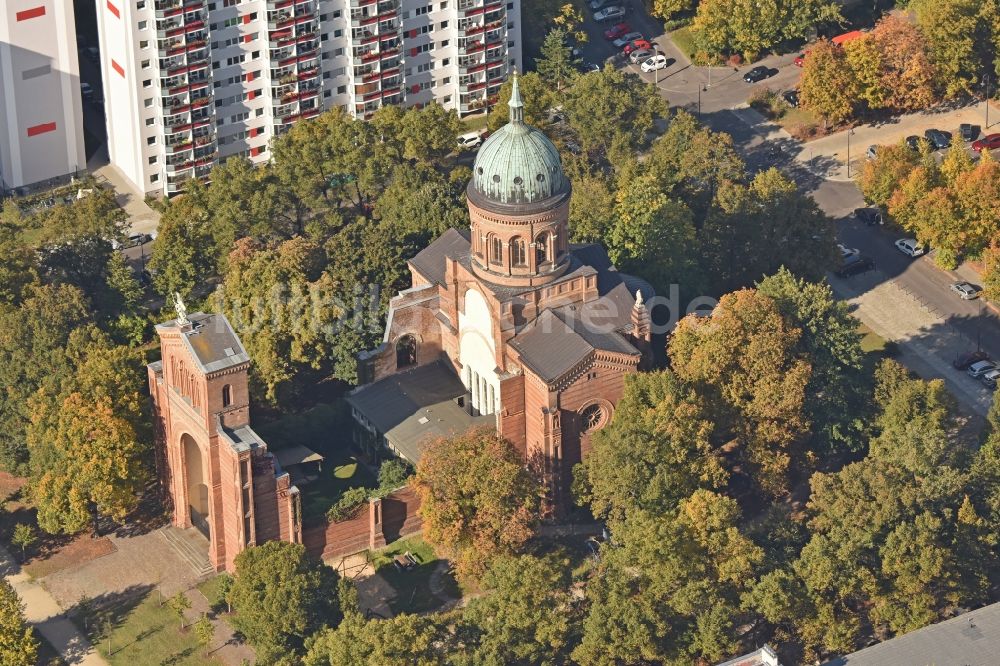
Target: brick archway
[196,487]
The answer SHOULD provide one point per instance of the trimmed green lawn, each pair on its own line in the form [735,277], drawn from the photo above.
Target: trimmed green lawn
[212,589]
[148,633]
[476,122]
[413,585]
[337,476]
[684,40]
[871,342]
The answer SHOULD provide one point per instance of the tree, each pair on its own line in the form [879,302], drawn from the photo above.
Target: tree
[17,261]
[429,133]
[179,604]
[205,631]
[393,473]
[738,26]
[891,66]
[991,274]
[978,193]
[281,596]
[536,94]
[523,618]
[184,252]
[951,28]
[880,177]
[477,499]
[24,536]
[837,395]
[747,359]
[590,209]
[570,19]
[557,66]
[667,9]
[403,640]
[657,450]
[18,646]
[828,83]
[613,109]
[652,234]
[668,589]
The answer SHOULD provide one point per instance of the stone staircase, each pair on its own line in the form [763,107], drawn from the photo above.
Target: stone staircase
[192,546]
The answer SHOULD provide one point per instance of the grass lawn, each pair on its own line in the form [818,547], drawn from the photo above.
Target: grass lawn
[413,585]
[871,342]
[476,122]
[684,41]
[212,589]
[149,634]
[337,476]
[803,124]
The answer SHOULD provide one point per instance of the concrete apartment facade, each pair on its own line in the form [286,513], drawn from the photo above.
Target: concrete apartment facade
[41,112]
[189,83]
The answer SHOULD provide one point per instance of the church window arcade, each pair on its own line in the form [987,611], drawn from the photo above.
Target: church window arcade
[542,248]
[518,257]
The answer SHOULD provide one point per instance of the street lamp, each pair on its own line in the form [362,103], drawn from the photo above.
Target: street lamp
[849,133]
[986,82]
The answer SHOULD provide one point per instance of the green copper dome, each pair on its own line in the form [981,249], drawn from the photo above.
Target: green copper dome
[518,164]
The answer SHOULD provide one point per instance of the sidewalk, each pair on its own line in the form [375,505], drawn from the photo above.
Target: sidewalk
[142,218]
[44,613]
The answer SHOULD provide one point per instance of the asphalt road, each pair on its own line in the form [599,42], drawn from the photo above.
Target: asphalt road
[722,90]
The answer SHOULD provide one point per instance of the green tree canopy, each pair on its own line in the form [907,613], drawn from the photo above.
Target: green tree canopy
[18,646]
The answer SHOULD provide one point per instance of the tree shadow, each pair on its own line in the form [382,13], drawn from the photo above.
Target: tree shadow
[94,617]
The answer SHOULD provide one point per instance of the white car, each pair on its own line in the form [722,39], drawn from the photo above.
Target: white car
[612,13]
[847,252]
[910,247]
[470,140]
[659,61]
[626,38]
[991,378]
[981,368]
[965,290]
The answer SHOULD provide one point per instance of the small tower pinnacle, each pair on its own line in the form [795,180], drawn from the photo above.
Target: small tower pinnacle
[515,103]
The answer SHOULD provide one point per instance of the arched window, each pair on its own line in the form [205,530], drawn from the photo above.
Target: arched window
[592,418]
[496,250]
[406,351]
[517,254]
[541,248]
[227,395]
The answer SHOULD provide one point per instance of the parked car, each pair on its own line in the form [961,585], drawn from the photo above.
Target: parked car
[800,59]
[988,142]
[910,247]
[470,140]
[981,368]
[759,73]
[939,139]
[965,360]
[990,378]
[965,290]
[846,252]
[791,97]
[969,132]
[586,66]
[872,152]
[855,266]
[638,56]
[659,61]
[637,45]
[598,4]
[616,31]
[86,90]
[913,141]
[626,38]
[870,216]
[612,13]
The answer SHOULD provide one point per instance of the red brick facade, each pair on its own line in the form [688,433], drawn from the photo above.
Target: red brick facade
[216,471]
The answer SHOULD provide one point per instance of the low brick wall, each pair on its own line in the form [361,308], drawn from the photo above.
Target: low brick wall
[385,520]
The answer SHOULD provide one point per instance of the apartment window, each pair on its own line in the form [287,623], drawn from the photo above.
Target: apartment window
[337,14]
[408,71]
[148,103]
[446,100]
[510,45]
[239,117]
[420,11]
[340,71]
[230,3]
[152,160]
[446,80]
[510,6]
[215,64]
[259,112]
[142,25]
[229,23]
[444,24]
[341,90]
[147,83]
[444,5]
[144,44]
[444,43]
[150,121]
[255,55]
[154,178]
[425,67]
[327,94]
[326,75]
[338,33]
[151,141]
[339,52]
[145,64]
[510,26]
[141,4]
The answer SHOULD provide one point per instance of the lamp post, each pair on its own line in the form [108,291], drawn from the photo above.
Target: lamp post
[849,133]
[986,82]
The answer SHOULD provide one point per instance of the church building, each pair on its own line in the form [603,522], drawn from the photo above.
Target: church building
[507,323]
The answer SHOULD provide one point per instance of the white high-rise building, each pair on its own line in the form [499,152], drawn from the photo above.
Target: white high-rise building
[41,112]
[191,82]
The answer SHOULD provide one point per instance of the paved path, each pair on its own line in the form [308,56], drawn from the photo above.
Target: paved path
[225,645]
[142,218]
[45,614]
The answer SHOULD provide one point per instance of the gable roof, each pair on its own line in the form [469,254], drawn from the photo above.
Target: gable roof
[211,341]
[971,639]
[430,262]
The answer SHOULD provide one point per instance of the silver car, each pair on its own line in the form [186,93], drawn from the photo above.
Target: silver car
[639,55]
[981,368]
[965,290]
[991,378]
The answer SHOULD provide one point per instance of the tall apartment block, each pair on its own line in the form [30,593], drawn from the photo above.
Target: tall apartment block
[191,82]
[41,113]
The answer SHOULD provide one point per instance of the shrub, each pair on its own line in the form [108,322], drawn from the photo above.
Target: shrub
[392,474]
[348,504]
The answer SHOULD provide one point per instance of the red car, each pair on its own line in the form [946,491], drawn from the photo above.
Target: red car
[800,59]
[637,45]
[988,142]
[614,32]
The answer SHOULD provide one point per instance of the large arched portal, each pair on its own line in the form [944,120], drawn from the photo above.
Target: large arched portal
[197,484]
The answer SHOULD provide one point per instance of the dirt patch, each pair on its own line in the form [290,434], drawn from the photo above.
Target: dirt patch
[76,551]
[10,484]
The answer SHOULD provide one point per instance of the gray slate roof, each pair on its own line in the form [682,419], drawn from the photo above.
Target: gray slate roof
[413,407]
[971,639]
[430,262]
[212,341]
